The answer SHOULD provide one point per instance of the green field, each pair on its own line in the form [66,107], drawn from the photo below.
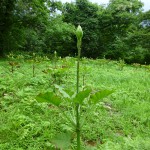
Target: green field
[119,122]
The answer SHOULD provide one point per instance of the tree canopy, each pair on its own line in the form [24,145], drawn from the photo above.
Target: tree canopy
[44,26]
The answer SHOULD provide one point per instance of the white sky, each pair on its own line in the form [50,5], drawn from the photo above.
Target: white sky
[146,3]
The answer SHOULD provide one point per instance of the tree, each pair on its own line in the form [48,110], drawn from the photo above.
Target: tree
[6,21]
[138,41]
[59,37]
[33,17]
[115,21]
[22,21]
[85,13]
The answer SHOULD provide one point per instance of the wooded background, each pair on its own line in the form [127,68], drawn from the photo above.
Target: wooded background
[45,26]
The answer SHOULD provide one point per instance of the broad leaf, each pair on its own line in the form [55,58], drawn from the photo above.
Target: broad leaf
[65,95]
[79,98]
[49,97]
[94,98]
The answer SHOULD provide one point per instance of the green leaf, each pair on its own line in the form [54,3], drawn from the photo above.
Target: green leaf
[61,90]
[96,97]
[62,140]
[49,97]
[79,98]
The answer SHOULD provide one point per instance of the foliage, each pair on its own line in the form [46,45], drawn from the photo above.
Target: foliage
[77,13]
[28,26]
[59,37]
[77,101]
[122,117]
[113,31]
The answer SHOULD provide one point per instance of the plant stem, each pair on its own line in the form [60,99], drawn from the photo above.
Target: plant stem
[78,65]
[33,70]
[83,80]
[12,69]
[78,106]
[78,126]
[79,34]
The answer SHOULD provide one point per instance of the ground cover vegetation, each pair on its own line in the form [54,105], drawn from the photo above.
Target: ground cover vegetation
[119,121]
[62,90]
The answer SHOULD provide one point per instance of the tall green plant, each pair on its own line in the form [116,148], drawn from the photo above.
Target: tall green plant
[79,34]
[12,62]
[86,97]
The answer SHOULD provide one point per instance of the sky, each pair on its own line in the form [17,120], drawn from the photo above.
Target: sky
[146,3]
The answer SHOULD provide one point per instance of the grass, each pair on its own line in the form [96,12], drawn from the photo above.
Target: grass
[120,121]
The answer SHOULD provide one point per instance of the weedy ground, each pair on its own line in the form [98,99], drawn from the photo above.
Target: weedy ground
[120,121]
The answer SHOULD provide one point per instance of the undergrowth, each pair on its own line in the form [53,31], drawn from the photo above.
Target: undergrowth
[120,121]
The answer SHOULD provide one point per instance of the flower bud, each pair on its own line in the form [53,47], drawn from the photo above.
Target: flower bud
[79,33]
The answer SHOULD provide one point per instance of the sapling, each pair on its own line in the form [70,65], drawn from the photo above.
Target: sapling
[86,97]
[55,73]
[35,59]
[121,64]
[55,58]
[14,64]
[85,71]
[33,64]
